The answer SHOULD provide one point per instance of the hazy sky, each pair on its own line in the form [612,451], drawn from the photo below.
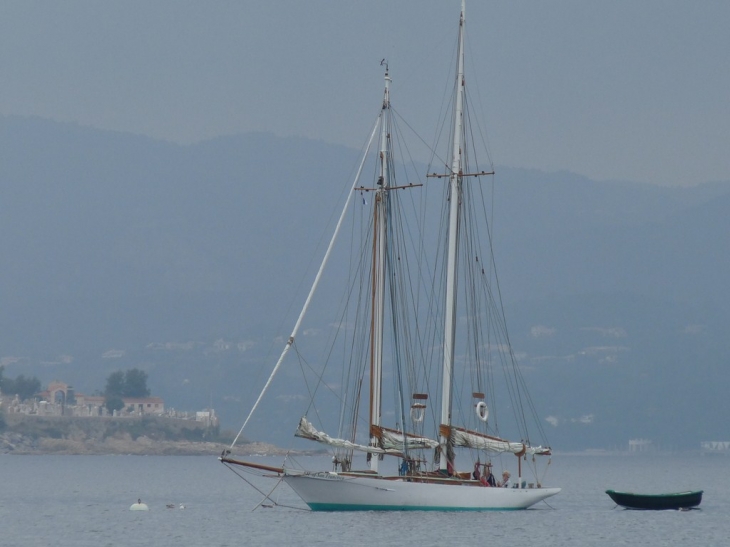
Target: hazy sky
[626,89]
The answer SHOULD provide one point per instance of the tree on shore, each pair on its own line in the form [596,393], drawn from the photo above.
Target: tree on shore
[135,383]
[114,403]
[132,383]
[114,384]
[23,387]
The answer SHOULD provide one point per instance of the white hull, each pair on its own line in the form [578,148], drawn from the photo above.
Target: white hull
[335,492]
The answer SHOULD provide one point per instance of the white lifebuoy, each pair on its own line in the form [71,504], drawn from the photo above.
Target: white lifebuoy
[482,411]
[418,412]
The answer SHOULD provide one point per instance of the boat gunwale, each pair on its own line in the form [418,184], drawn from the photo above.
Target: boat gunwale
[424,479]
[668,494]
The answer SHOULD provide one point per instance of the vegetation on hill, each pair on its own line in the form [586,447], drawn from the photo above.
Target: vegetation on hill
[132,383]
[21,386]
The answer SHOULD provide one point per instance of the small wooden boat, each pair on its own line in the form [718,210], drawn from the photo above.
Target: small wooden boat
[675,500]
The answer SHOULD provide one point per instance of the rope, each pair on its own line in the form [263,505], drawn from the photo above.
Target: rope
[265,496]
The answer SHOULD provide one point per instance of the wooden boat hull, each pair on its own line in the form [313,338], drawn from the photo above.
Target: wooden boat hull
[328,491]
[676,500]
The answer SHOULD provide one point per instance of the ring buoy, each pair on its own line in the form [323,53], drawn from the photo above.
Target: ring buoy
[417,413]
[482,411]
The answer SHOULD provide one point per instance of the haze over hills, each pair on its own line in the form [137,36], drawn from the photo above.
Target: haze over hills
[120,251]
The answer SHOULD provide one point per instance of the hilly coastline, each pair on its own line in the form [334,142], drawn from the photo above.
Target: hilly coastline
[188,262]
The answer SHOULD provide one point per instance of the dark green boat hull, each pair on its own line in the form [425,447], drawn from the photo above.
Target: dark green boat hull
[678,500]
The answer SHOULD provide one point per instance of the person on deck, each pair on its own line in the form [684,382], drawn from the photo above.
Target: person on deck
[488,479]
[505,479]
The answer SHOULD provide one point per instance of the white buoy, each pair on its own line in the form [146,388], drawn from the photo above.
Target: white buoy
[139,506]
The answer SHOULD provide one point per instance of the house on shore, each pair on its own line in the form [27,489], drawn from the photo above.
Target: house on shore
[60,399]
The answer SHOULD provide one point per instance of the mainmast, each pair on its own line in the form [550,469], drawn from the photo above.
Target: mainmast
[379,271]
[453,243]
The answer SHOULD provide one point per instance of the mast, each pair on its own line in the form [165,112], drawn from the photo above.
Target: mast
[451,278]
[378,272]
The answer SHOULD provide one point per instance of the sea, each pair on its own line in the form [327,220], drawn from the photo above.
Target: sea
[80,501]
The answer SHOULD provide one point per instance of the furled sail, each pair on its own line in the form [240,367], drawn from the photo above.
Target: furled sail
[480,441]
[306,430]
[392,439]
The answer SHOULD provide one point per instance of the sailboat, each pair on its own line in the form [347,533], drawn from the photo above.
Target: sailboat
[425,327]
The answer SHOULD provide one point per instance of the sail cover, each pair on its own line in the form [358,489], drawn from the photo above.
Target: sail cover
[307,431]
[472,439]
[391,441]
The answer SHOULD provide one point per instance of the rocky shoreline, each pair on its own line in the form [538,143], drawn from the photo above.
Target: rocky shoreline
[17,444]
[36,435]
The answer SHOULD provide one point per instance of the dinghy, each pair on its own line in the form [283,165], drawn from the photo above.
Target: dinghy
[675,500]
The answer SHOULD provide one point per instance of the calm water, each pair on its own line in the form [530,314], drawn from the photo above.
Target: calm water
[84,500]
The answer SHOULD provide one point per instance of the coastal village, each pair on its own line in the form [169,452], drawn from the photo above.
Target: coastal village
[60,399]
[124,419]
[60,420]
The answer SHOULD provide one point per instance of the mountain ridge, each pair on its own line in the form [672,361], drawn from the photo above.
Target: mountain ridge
[120,242]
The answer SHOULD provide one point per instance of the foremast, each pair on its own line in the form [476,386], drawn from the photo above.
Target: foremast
[455,179]
[379,273]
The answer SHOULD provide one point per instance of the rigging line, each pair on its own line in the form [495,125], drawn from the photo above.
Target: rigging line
[244,479]
[401,275]
[345,372]
[436,304]
[318,376]
[475,73]
[470,292]
[545,470]
[490,268]
[366,146]
[434,152]
[360,331]
[407,321]
[519,391]
[331,346]
[446,100]
[481,130]
[268,495]
[355,368]
[469,126]
[394,319]
[496,320]
[313,289]
[478,274]
[320,381]
[403,244]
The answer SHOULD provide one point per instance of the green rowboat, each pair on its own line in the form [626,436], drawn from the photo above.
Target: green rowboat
[677,500]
